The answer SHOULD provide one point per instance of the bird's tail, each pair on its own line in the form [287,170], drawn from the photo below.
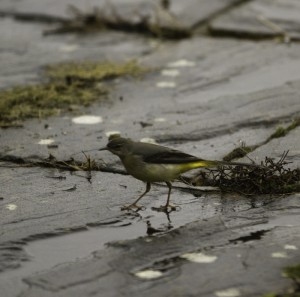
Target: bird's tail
[210,163]
[236,164]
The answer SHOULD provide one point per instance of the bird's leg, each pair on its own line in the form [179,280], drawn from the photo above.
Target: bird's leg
[134,204]
[168,200]
[164,208]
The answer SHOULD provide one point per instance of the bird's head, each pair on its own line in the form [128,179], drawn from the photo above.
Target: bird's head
[117,145]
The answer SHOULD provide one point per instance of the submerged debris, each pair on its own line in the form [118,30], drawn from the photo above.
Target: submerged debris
[71,164]
[157,21]
[88,165]
[269,178]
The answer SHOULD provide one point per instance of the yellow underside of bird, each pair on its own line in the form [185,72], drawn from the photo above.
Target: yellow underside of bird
[150,172]
[197,164]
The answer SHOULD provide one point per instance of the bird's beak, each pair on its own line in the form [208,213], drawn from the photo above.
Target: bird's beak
[103,149]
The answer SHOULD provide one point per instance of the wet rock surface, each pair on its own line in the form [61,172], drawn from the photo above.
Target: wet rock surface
[240,260]
[25,51]
[188,13]
[63,233]
[261,19]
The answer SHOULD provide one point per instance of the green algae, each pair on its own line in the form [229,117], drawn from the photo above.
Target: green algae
[244,150]
[292,272]
[239,152]
[91,71]
[281,131]
[68,85]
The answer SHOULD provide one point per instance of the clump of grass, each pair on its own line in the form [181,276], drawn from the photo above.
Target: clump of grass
[69,85]
[39,101]
[91,71]
[268,178]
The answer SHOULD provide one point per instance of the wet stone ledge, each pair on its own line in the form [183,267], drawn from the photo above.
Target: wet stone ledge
[261,19]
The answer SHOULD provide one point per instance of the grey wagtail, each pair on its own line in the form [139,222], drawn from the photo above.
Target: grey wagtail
[155,163]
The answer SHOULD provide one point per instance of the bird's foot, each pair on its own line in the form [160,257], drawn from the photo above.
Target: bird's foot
[133,207]
[166,208]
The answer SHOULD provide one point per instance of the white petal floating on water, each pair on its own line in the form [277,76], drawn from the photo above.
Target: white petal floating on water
[199,257]
[170,72]
[11,206]
[46,141]
[166,84]
[182,63]
[160,120]
[148,274]
[290,247]
[230,292]
[279,255]
[87,120]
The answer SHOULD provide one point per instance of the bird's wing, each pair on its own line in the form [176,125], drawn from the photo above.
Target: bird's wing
[170,157]
[158,154]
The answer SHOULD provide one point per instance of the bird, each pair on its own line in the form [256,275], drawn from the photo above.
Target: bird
[151,163]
